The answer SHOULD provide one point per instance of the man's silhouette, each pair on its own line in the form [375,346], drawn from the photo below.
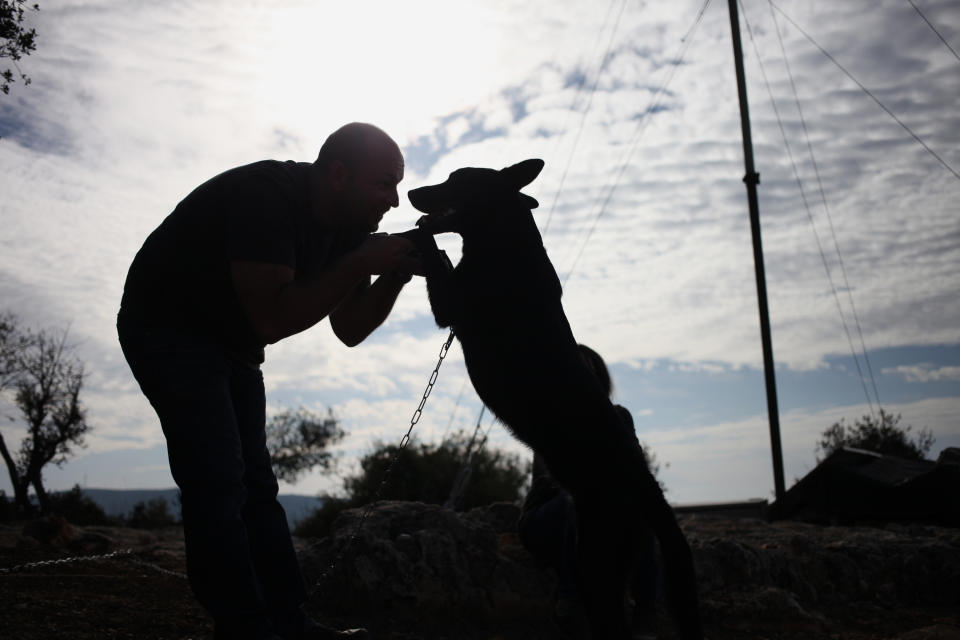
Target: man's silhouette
[254,255]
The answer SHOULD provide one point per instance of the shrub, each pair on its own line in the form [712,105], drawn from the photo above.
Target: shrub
[319,523]
[426,473]
[77,508]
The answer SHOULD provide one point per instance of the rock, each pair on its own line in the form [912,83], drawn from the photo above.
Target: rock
[49,530]
[950,455]
[27,544]
[833,565]
[90,542]
[435,573]
[765,608]
[413,560]
[935,632]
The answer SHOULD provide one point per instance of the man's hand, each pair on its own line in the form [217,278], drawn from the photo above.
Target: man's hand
[381,253]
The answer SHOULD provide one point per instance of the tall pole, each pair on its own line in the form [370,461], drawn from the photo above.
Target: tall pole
[752,179]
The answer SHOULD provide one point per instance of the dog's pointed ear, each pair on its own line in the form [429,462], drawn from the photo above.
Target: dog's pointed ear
[523,173]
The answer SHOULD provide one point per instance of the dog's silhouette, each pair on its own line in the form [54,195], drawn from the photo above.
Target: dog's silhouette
[503,302]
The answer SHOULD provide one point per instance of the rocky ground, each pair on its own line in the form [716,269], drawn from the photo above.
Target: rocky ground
[415,571]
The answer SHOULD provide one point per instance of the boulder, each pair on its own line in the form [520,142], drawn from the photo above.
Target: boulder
[434,573]
[420,563]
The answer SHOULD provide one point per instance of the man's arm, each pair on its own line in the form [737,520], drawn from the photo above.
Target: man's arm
[366,308]
[278,305]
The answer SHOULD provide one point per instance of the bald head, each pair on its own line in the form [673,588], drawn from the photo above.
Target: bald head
[355,144]
[355,177]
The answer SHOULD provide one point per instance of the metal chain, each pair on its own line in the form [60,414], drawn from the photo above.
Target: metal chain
[106,556]
[157,568]
[49,563]
[386,476]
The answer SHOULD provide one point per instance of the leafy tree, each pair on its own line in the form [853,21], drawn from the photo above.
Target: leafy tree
[16,40]
[13,342]
[880,435]
[152,514]
[425,473]
[298,442]
[47,381]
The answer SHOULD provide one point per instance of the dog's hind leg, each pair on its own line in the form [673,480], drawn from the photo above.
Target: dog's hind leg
[679,578]
[681,585]
[603,565]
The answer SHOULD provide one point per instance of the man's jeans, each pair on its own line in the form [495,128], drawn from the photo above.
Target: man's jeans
[240,558]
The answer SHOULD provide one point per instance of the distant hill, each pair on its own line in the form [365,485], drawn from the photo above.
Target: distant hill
[120,502]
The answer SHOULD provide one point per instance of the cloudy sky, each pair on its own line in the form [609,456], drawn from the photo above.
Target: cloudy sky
[632,105]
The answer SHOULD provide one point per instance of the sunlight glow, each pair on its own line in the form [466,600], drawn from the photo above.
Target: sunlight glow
[386,77]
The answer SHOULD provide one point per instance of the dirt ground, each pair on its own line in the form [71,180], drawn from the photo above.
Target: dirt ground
[143,594]
[107,598]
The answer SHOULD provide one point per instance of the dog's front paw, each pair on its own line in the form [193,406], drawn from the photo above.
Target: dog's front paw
[424,241]
[428,252]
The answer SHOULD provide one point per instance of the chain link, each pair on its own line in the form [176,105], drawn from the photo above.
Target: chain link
[120,553]
[59,561]
[157,568]
[386,476]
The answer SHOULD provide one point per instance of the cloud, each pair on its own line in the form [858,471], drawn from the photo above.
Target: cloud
[132,105]
[924,372]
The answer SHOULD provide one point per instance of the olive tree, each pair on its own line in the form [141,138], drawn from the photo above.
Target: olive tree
[298,441]
[881,434]
[45,379]
[16,40]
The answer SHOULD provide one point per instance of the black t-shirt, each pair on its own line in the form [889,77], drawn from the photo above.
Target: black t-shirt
[259,212]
